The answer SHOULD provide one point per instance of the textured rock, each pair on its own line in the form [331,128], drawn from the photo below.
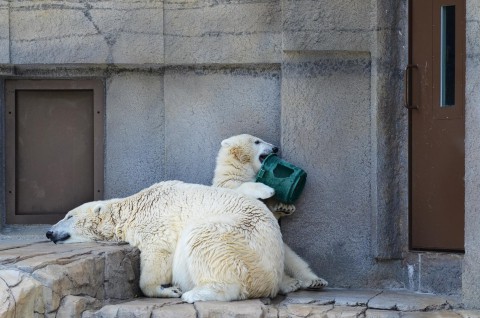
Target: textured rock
[177,311]
[136,308]
[248,308]
[407,301]
[440,314]
[298,310]
[373,313]
[74,306]
[340,297]
[66,278]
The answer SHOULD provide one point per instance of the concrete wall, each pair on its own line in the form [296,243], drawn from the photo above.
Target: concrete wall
[326,130]
[205,105]
[471,266]
[322,79]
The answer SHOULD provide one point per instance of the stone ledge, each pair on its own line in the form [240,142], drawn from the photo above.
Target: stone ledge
[36,278]
[101,280]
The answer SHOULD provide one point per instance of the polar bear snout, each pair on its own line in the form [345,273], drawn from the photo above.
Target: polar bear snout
[57,237]
[264,154]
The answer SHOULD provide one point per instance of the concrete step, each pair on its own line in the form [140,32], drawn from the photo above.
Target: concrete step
[329,303]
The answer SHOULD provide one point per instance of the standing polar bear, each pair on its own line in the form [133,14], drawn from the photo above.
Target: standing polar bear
[238,162]
[210,243]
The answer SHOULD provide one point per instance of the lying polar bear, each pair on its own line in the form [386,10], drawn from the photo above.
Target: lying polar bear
[210,243]
[238,162]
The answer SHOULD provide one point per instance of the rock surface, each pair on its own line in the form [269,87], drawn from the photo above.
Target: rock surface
[94,280]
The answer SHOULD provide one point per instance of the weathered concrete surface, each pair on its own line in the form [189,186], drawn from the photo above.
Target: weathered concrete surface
[4,32]
[324,25]
[134,143]
[471,266]
[326,131]
[389,126]
[226,32]
[203,106]
[86,32]
[435,272]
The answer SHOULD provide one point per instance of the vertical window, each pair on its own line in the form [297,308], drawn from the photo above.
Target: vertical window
[447,56]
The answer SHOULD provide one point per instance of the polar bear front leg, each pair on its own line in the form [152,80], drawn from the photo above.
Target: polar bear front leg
[296,267]
[156,274]
[256,190]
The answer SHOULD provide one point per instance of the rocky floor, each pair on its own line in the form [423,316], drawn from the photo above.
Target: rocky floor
[40,279]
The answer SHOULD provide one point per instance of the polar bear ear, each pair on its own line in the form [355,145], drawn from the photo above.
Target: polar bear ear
[97,208]
[226,143]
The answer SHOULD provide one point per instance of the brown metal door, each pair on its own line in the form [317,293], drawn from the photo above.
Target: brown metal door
[54,150]
[435,95]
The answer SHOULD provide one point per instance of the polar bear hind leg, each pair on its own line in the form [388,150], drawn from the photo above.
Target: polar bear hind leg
[213,291]
[156,274]
[295,266]
[221,264]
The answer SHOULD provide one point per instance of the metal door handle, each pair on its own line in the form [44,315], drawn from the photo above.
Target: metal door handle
[406,80]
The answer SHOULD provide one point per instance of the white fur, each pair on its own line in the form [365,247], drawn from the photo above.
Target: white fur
[210,243]
[237,166]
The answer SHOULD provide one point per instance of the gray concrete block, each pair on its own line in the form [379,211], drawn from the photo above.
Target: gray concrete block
[326,25]
[54,32]
[133,30]
[222,32]
[134,157]
[471,266]
[77,32]
[326,131]
[206,105]
[4,32]
[435,272]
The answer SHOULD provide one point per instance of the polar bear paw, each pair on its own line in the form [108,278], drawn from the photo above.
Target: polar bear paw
[289,285]
[256,190]
[318,283]
[214,291]
[283,208]
[169,291]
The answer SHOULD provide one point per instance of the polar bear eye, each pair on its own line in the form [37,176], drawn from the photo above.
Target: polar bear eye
[69,217]
[257,142]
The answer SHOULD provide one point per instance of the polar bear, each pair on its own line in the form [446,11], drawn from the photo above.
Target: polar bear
[238,162]
[209,243]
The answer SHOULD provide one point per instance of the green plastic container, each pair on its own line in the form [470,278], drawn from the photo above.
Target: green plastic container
[287,180]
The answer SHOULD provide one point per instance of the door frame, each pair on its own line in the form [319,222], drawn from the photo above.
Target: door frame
[13,84]
[409,96]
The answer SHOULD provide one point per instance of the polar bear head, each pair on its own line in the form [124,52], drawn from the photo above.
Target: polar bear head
[247,150]
[239,160]
[89,222]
